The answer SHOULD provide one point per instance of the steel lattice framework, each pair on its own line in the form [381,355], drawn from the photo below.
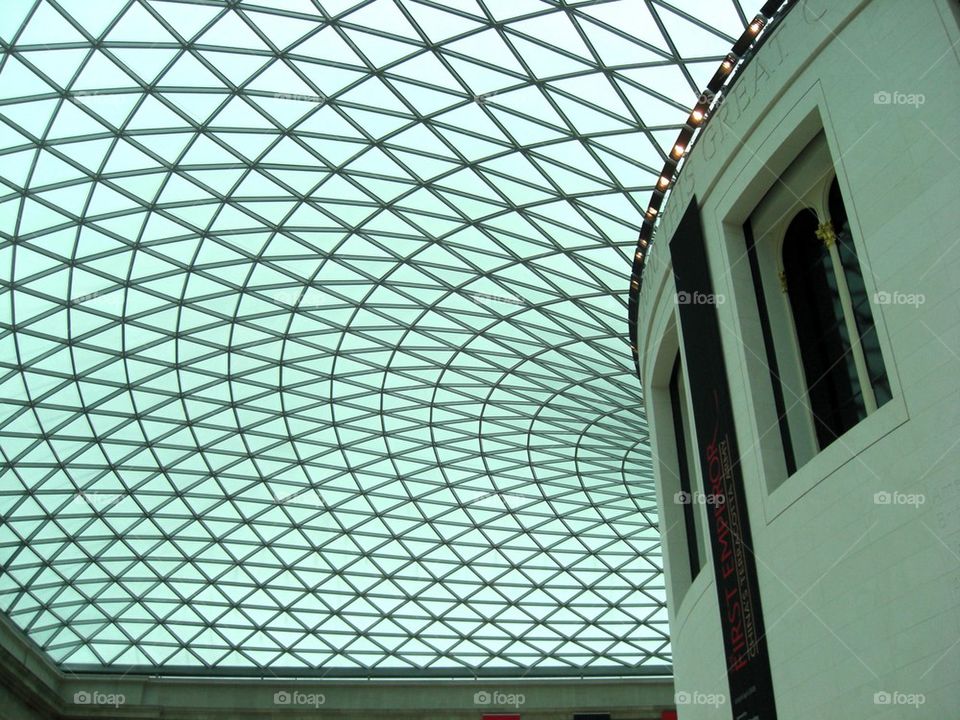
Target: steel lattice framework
[312,347]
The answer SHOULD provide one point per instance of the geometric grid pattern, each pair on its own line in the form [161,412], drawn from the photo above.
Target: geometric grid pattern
[312,338]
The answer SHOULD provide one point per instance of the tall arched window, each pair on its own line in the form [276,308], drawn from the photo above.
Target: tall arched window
[833,388]
[859,300]
[822,347]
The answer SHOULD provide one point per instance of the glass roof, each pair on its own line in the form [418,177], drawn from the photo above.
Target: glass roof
[313,351]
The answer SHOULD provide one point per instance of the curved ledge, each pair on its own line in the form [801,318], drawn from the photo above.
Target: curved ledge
[723,79]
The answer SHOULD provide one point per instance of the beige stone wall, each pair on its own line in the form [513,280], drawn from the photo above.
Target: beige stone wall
[859,551]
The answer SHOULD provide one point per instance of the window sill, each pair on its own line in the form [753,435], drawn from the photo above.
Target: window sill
[842,451]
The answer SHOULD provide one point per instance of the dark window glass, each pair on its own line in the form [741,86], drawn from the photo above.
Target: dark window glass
[683,468]
[828,364]
[863,315]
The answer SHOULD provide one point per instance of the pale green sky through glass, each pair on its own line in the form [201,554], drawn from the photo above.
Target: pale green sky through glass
[313,343]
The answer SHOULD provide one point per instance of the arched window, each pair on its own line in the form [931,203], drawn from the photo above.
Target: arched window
[821,345]
[859,301]
[833,388]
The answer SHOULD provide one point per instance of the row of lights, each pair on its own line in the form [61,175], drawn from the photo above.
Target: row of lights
[695,121]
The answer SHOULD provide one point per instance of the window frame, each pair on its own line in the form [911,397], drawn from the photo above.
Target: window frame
[684,439]
[683,588]
[737,190]
[766,239]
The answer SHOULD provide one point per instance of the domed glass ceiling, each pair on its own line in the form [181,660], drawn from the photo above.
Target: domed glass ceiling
[313,349]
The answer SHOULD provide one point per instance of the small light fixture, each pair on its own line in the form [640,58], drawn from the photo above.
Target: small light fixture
[696,117]
[678,150]
[664,181]
[757,25]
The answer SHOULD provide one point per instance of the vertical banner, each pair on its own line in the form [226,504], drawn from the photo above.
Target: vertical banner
[741,617]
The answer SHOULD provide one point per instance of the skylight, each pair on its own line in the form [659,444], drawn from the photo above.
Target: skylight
[313,351]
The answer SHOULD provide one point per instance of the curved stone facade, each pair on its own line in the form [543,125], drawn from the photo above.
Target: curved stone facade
[858,548]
